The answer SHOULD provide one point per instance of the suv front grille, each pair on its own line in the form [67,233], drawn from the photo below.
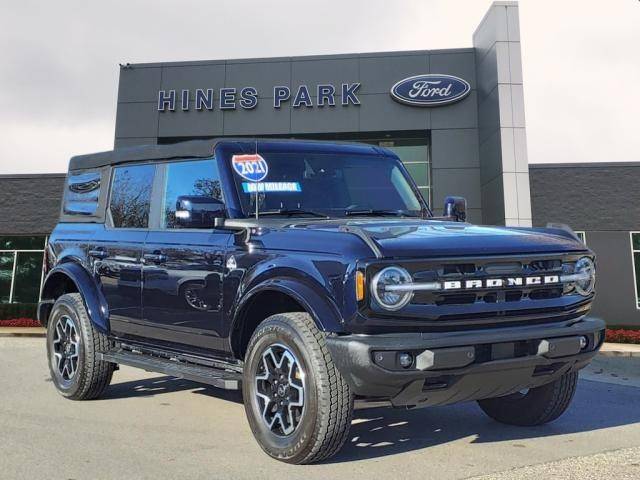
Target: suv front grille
[482,269]
[505,295]
[481,306]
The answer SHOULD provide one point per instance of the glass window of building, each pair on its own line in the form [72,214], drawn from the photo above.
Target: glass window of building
[21,262]
[7,260]
[635,252]
[198,179]
[415,157]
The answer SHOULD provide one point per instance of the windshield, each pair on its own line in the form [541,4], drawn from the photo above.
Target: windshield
[334,185]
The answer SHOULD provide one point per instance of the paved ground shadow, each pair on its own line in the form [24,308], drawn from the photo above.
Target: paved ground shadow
[147,387]
[380,432]
[383,431]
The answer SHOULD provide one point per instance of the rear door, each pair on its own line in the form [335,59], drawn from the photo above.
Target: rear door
[184,265]
[117,252]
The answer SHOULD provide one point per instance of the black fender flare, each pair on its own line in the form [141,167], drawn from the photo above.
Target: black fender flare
[92,297]
[322,309]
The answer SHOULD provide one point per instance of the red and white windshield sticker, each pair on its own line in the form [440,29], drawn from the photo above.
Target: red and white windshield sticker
[251,167]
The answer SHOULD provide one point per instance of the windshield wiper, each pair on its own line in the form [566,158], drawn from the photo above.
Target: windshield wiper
[293,211]
[378,213]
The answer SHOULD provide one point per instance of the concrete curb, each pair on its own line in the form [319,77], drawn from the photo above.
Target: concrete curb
[22,332]
[620,350]
[619,354]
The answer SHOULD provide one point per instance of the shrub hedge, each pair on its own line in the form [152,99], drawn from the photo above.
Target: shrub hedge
[20,322]
[621,335]
[10,311]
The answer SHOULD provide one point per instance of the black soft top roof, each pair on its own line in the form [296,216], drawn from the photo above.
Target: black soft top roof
[205,148]
[193,148]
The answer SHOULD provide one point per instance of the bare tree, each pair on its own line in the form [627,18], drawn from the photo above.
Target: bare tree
[207,187]
[130,201]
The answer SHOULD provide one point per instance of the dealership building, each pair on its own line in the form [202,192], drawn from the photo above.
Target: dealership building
[455,117]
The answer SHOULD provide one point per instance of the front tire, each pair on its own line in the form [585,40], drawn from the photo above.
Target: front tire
[535,407]
[298,405]
[72,349]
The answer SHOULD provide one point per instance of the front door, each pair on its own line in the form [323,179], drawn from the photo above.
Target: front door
[182,294]
[184,262]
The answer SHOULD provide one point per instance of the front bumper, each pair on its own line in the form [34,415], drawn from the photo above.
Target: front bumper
[460,366]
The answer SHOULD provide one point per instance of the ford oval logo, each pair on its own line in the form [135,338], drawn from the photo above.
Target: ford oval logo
[430,90]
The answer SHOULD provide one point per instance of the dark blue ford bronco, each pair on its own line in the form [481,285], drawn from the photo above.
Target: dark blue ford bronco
[312,275]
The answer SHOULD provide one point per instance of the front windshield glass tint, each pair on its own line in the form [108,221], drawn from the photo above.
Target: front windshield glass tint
[330,184]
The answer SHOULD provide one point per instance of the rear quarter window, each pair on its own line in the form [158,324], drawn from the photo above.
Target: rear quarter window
[130,198]
[82,193]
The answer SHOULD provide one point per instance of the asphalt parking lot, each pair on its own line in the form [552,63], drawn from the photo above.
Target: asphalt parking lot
[152,426]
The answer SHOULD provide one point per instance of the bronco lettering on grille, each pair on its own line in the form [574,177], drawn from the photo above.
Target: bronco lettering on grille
[500,282]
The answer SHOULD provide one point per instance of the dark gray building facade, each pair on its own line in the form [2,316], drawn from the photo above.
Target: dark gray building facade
[474,147]
[455,117]
[29,209]
[602,202]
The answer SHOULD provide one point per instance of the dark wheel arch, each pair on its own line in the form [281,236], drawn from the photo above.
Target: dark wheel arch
[71,277]
[279,295]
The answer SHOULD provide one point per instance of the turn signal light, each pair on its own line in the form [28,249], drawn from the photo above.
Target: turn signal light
[359,286]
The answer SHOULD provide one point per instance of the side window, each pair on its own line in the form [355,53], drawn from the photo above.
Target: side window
[131,196]
[196,182]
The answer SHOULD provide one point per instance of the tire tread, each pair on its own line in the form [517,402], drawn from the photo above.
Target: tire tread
[539,406]
[335,407]
[96,374]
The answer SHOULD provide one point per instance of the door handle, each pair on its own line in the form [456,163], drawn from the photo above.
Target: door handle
[155,257]
[98,253]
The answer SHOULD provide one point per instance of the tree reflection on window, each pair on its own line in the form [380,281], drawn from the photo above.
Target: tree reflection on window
[131,196]
[197,178]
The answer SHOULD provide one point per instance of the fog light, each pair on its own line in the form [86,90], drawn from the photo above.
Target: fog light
[584,341]
[405,360]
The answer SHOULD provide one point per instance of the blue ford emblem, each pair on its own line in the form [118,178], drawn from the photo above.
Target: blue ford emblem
[430,90]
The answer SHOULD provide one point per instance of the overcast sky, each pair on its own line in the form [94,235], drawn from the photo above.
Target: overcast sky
[59,62]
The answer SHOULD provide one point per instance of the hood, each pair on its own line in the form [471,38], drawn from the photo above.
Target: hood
[429,238]
[414,238]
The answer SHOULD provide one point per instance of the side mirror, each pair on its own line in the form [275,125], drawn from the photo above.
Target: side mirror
[193,211]
[455,208]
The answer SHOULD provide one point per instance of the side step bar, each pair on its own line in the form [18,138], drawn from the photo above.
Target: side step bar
[228,380]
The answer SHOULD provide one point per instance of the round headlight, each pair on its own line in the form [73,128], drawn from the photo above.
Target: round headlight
[585,273]
[382,287]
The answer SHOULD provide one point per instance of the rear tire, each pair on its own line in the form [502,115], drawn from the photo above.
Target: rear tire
[537,406]
[72,349]
[287,364]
